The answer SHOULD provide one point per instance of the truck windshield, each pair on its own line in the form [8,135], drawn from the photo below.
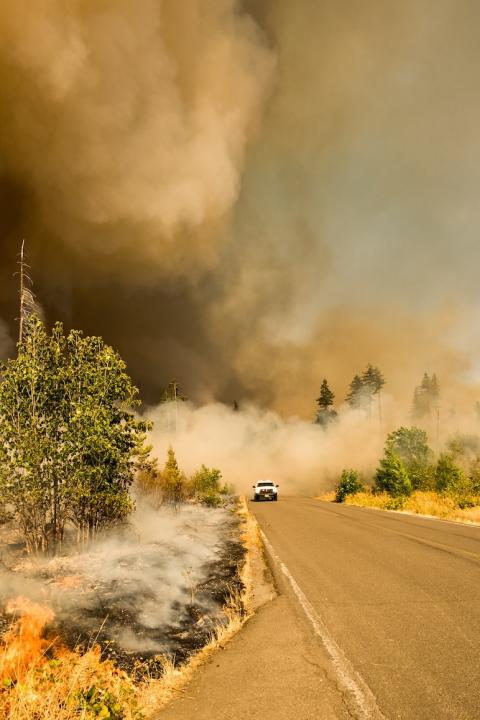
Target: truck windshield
[265,484]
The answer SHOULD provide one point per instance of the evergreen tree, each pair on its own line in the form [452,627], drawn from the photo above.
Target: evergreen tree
[325,415]
[173,480]
[426,397]
[373,381]
[357,397]
[326,396]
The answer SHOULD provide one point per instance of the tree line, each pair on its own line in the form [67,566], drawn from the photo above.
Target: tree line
[364,393]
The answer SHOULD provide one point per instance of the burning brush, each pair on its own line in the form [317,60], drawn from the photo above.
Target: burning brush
[41,679]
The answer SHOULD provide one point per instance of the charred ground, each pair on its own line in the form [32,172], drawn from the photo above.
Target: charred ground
[110,610]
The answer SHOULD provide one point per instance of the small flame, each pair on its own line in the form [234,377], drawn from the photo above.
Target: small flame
[23,644]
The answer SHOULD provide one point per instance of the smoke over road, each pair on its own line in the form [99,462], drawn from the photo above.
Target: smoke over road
[248,196]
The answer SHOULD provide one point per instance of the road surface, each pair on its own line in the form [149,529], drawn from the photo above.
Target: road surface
[396,599]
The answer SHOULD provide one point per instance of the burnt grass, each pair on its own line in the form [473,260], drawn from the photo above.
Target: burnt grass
[114,610]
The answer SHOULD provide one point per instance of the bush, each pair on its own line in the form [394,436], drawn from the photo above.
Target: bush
[396,503]
[349,484]
[448,476]
[411,446]
[391,476]
[205,486]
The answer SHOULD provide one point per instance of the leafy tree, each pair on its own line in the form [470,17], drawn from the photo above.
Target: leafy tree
[357,396]
[448,476]
[173,480]
[411,446]
[325,415]
[392,476]
[349,484]
[69,438]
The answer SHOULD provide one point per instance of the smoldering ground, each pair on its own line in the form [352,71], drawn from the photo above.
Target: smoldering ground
[248,196]
[156,587]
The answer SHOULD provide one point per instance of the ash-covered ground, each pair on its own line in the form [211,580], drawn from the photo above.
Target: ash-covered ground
[157,587]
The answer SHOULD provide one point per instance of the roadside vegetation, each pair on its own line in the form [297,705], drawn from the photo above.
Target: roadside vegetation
[410,477]
[73,461]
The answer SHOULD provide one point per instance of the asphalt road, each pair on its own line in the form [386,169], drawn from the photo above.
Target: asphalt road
[397,596]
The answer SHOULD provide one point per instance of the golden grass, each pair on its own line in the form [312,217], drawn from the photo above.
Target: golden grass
[40,680]
[419,503]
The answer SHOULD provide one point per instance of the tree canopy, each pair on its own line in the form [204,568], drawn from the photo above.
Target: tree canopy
[70,438]
[325,414]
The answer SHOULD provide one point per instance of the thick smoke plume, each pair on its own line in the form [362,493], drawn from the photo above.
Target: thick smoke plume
[252,444]
[249,195]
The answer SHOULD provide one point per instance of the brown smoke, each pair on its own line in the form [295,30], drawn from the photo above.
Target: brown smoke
[249,196]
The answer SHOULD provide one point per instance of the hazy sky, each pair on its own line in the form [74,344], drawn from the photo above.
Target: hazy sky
[248,196]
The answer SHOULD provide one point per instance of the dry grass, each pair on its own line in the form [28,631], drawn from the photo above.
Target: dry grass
[40,680]
[420,503]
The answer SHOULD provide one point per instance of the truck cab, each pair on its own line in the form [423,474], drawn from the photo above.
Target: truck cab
[265,490]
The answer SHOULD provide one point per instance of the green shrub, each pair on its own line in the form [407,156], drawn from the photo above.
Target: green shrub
[205,486]
[449,477]
[466,502]
[391,476]
[349,484]
[396,503]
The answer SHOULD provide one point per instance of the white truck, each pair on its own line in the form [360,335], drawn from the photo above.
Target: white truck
[265,490]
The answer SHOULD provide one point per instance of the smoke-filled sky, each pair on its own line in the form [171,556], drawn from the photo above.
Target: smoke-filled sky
[248,196]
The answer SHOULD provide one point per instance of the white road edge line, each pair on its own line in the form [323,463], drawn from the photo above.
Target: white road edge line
[349,679]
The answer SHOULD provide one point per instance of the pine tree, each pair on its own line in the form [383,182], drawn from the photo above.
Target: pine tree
[326,396]
[173,480]
[426,398]
[356,397]
[325,415]
[373,381]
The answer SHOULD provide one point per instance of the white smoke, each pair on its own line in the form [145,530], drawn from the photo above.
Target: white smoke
[252,444]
